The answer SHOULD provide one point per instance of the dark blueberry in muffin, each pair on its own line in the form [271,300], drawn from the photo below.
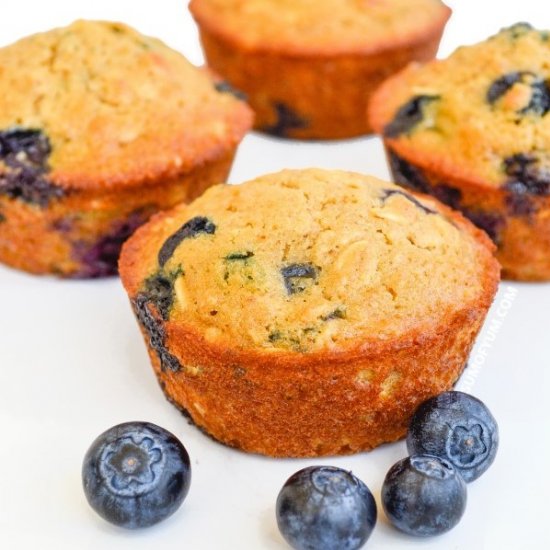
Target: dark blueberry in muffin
[325,508]
[136,474]
[25,153]
[539,103]
[501,85]
[409,115]
[100,259]
[491,222]
[20,145]
[391,192]
[526,176]
[190,229]
[225,88]
[287,120]
[29,185]
[158,292]
[407,175]
[298,277]
[338,313]
[424,496]
[458,428]
[239,256]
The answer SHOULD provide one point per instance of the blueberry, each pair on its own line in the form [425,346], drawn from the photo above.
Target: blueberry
[408,115]
[287,120]
[296,277]
[325,508]
[539,103]
[25,153]
[154,300]
[239,256]
[100,258]
[491,222]
[24,145]
[223,87]
[190,229]
[458,428]
[526,176]
[136,474]
[424,496]
[387,193]
[407,175]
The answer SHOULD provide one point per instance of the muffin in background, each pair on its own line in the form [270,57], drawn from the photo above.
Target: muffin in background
[100,127]
[474,131]
[308,313]
[309,67]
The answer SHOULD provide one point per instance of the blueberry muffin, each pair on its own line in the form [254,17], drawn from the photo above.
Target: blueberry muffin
[474,130]
[316,333]
[309,67]
[99,128]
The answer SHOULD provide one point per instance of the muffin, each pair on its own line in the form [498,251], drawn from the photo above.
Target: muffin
[474,131]
[309,67]
[99,128]
[312,331]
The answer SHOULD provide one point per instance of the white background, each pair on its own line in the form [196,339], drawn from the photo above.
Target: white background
[72,364]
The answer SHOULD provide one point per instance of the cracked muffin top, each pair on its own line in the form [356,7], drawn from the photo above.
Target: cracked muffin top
[483,114]
[117,107]
[308,260]
[321,26]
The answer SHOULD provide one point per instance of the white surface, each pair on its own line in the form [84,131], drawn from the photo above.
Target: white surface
[73,364]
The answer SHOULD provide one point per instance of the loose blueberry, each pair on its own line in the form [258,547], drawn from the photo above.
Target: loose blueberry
[287,120]
[457,427]
[297,277]
[424,496]
[409,115]
[190,229]
[325,508]
[136,474]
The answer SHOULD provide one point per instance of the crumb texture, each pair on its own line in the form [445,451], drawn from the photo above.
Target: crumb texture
[310,260]
[312,25]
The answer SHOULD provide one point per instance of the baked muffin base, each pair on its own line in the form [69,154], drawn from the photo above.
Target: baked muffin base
[300,410]
[287,404]
[80,234]
[519,224]
[307,97]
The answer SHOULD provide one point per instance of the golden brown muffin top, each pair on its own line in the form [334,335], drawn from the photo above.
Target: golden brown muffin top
[118,108]
[307,260]
[483,114]
[320,26]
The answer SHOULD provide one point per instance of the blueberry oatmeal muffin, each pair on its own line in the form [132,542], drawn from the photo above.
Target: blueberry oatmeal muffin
[99,128]
[474,130]
[312,334]
[309,67]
